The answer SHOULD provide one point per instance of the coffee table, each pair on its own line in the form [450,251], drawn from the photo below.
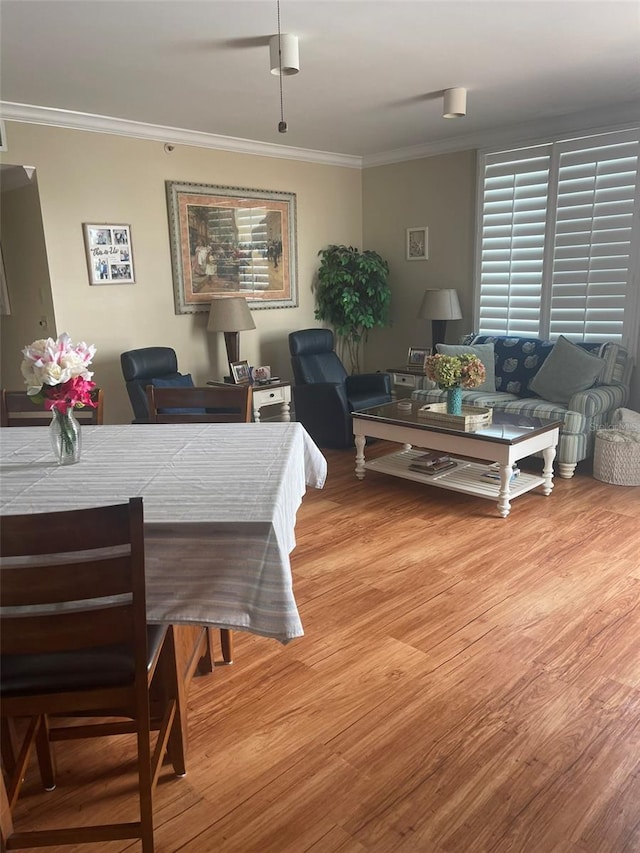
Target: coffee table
[506,440]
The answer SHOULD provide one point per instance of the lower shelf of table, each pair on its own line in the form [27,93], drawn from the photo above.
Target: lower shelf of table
[465,477]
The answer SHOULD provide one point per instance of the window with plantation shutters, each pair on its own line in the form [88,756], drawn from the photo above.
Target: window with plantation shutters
[558,240]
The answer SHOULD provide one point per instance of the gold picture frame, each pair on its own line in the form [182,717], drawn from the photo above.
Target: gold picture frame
[230,241]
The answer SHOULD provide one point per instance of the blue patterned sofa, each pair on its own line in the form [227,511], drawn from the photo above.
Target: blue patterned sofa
[517,361]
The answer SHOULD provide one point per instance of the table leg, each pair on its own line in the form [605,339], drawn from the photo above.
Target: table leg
[286,412]
[548,454]
[360,442]
[504,506]
[256,414]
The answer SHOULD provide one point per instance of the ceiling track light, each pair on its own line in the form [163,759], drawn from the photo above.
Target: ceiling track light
[284,62]
[454,103]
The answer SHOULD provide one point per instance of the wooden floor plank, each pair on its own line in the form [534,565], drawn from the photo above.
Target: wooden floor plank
[466,684]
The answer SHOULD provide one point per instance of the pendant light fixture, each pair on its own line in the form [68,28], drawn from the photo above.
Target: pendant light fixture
[454,103]
[284,61]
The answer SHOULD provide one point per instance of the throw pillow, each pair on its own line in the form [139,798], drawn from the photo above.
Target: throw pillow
[179,380]
[486,355]
[567,370]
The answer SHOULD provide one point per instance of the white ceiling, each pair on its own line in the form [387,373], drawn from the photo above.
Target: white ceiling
[372,72]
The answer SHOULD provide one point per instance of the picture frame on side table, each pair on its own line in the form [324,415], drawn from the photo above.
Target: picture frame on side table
[416,358]
[418,243]
[240,372]
[231,241]
[109,253]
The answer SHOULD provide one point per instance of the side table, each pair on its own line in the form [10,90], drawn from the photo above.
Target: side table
[402,377]
[269,394]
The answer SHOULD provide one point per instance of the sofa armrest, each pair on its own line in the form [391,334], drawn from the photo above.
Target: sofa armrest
[368,383]
[599,400]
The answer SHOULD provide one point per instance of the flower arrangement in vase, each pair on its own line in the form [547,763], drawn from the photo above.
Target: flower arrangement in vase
[56,374]
[452,373]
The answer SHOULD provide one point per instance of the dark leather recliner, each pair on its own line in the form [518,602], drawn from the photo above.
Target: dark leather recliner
[139,367]
[324,394]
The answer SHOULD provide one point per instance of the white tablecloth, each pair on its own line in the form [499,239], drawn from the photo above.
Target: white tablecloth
[220,502]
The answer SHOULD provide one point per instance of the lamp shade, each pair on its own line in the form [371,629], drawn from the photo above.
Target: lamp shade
[454,103]
[289,62]
[440,305]
[230,314]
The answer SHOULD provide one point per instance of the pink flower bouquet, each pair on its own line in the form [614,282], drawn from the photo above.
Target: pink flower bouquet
[55,372]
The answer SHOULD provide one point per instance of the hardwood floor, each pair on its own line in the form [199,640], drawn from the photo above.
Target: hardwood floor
[466,683]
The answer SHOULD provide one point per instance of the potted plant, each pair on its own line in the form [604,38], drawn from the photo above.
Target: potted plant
[353,295]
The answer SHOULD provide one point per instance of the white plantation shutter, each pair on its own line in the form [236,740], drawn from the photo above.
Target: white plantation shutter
[558,239]
[514,213]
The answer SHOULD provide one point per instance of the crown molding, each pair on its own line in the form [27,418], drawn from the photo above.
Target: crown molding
[69,119]
[617,117]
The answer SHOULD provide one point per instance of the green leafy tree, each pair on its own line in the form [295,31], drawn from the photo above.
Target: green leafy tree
[353,295]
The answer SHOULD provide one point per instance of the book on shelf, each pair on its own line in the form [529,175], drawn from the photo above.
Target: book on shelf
[493,472]
[437,468]
[431,458]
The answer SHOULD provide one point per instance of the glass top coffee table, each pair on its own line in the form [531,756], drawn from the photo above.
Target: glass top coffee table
[501,443]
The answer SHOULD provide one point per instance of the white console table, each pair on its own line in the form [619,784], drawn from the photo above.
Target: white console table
[275,393]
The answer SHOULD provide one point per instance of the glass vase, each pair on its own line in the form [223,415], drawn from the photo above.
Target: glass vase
[454,400]
[66,439]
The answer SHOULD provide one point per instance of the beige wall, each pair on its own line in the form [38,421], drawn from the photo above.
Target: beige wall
[94,177]
[438,192]
[27,271]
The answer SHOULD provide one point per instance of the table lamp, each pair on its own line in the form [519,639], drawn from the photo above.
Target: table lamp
[439,306]
[230,315]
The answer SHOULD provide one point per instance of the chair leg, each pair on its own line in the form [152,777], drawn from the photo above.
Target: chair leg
[7,740]
[145,785]
[226,643]
[6,821]
[45,756]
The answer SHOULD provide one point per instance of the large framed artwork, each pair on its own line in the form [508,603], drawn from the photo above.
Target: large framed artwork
[230,241]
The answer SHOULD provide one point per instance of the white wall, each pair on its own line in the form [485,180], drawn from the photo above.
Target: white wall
[94,177]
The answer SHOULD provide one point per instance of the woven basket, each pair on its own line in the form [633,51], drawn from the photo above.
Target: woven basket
[616,462]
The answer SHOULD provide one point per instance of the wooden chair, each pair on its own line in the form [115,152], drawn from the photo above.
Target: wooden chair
[209,404]
[18,409]
[81,655]
[216,404]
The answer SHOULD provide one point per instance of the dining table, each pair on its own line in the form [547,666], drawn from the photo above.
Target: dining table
[220,503]
[234,489]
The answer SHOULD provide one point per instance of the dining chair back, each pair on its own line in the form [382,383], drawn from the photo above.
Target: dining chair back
[208,404]
[75,642]
[18,409]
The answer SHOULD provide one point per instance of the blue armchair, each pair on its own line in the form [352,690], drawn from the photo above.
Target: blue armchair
[324,394]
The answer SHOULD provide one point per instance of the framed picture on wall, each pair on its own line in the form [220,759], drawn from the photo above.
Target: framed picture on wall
[230,241]
[418,243]
[109,253]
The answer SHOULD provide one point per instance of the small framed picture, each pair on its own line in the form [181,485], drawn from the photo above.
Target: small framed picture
[109,253]
[418,243]
[262,373]
[240,372]
[416,358]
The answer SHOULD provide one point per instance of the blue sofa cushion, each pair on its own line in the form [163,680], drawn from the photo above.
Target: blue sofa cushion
[517,361]
[178,380]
